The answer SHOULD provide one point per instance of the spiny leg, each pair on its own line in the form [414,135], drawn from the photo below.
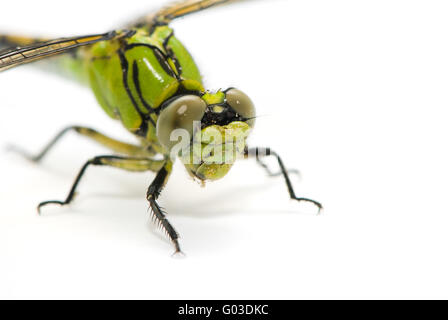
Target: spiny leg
[125,163]
[265,152]
[163,169]
[114,145]
[153,194]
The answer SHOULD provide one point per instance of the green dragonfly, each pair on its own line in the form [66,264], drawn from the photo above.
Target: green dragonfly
[144,77]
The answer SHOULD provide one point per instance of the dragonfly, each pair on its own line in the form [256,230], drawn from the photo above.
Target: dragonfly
[144,77]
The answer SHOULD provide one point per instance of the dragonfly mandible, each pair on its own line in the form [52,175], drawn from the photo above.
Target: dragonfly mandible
[144,77]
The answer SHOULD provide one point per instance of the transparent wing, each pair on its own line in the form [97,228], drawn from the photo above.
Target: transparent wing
[178,9]
[10,58]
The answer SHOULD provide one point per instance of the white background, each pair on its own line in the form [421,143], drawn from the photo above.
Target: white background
[353,93]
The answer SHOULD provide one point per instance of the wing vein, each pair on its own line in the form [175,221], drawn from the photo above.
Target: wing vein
[20,55]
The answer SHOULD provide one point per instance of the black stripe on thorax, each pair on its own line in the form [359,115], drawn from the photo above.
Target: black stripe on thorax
[160,56]
[171,53]
[143,130]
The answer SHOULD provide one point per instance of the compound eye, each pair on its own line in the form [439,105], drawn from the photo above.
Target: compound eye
[179,114]
[242,104]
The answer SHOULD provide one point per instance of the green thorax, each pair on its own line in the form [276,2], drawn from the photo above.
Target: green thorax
[132,77]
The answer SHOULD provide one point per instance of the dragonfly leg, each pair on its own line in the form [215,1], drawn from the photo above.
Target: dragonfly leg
[266,152]
[125,163]
[115,145]
[276,174]
[153,194]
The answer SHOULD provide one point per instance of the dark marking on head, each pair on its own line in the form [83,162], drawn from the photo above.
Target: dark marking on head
[226,116]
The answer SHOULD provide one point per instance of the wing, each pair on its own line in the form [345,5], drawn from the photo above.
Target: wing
[178,9]
[10,58]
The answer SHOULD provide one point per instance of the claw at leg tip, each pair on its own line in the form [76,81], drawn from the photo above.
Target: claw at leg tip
[320,209]
[178,254]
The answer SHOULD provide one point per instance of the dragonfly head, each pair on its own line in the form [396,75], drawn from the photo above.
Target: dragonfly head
[208,131]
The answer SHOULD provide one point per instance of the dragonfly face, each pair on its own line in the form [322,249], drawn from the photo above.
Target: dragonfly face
[213,128]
